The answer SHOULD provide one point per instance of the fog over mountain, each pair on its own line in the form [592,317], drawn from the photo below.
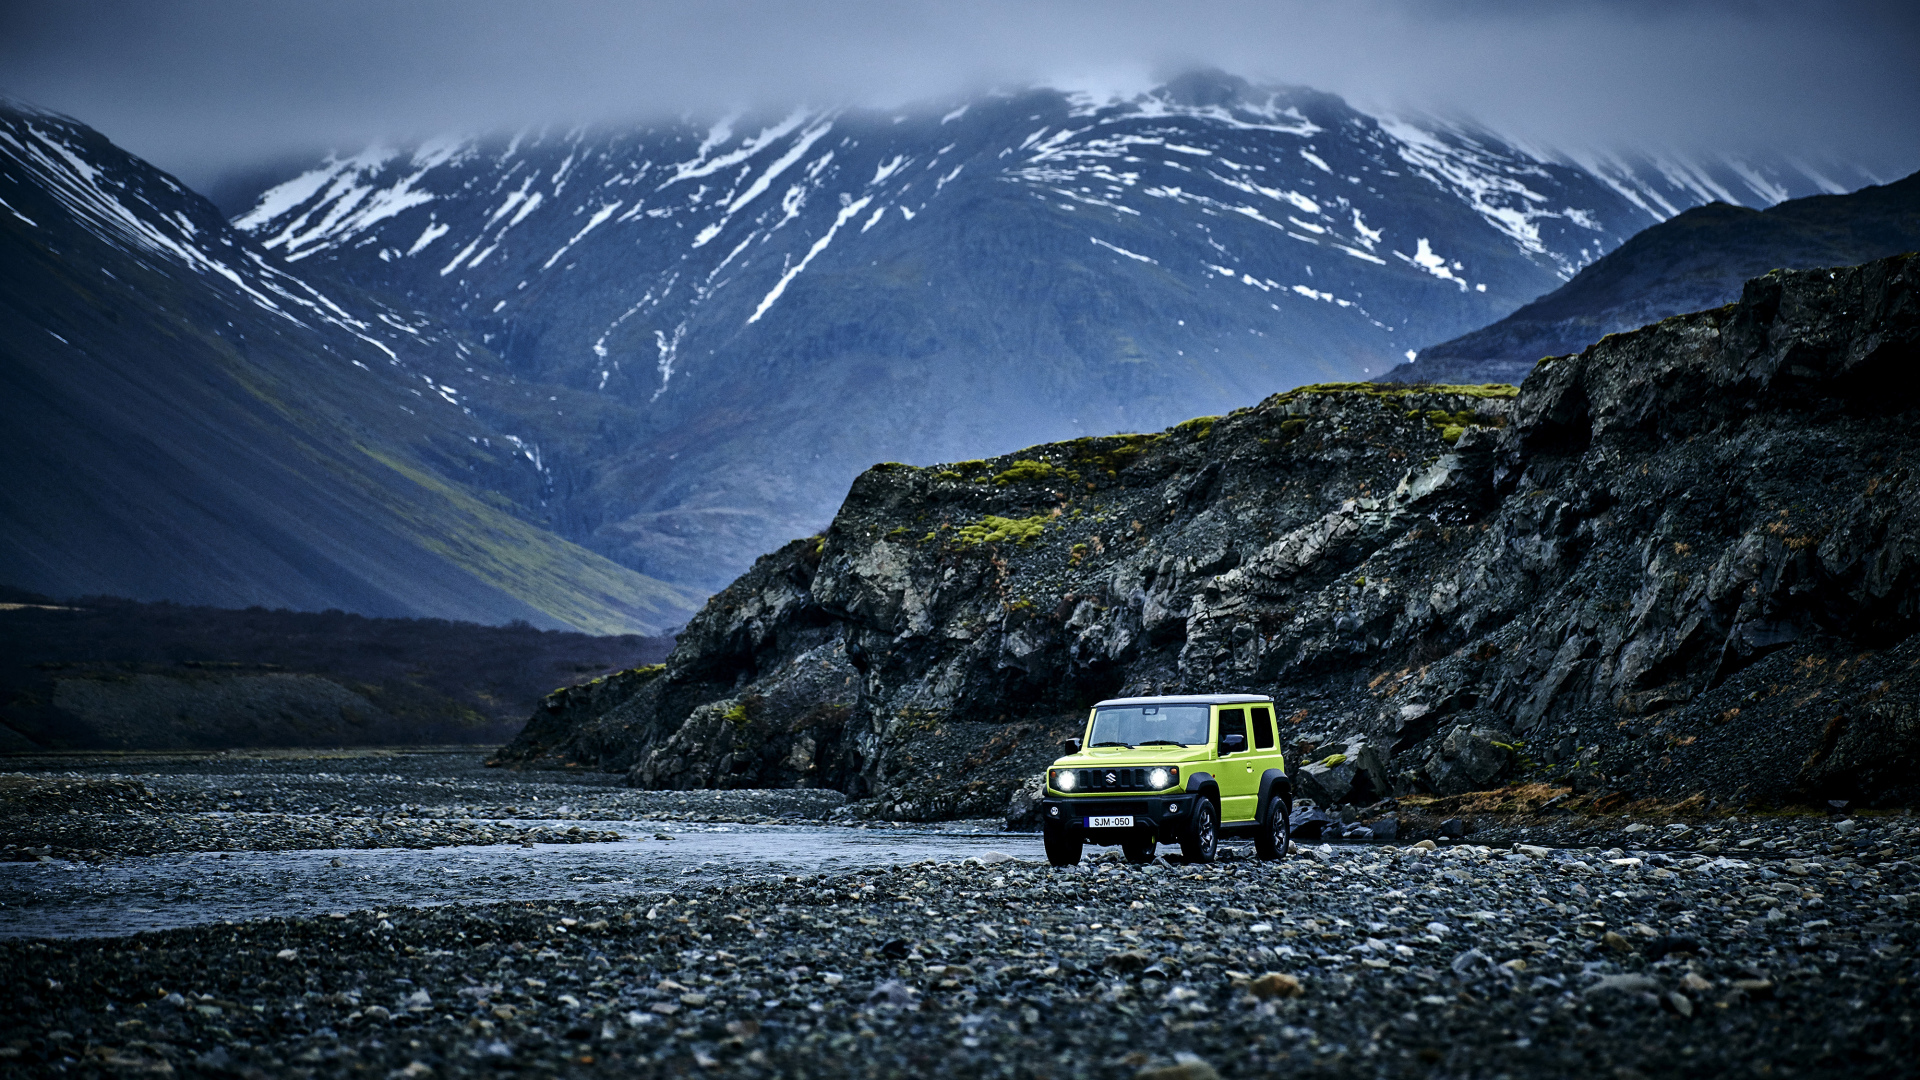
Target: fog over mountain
[205,86]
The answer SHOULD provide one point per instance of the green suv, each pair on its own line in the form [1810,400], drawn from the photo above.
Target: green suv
[1181,769]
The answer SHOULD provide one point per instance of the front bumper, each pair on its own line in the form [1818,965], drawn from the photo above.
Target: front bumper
[1163,815]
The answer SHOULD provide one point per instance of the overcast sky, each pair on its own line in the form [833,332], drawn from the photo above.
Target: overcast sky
[205,86]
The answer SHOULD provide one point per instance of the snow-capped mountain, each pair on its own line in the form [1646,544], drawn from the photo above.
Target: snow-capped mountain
[190,420]
[1696,260]
[768,305]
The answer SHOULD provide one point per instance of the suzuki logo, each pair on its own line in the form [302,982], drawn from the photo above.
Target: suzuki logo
[1113,778]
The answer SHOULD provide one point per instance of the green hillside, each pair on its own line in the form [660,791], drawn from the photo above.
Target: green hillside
[186,423]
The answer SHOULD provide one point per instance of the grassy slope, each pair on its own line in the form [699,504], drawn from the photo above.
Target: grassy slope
[171,442]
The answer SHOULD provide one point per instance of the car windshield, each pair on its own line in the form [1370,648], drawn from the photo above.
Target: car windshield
[1134,725]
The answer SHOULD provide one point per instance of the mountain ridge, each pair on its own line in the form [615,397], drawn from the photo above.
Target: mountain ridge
[1695,260]
[767,305]
[194,423]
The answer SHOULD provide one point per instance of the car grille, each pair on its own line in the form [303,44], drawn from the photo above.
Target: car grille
[1113,779]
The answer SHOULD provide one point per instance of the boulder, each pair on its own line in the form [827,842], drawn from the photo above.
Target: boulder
[1309,822]
[1411,724]
[1871,749]
[1356,775]
[1468,759]
[1327,782]
[1373,779]
[1023,809]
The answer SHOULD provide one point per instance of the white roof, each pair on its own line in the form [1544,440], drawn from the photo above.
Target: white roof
[1188,699]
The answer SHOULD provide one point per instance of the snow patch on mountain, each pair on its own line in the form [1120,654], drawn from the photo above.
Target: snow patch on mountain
[353,197]
[599,218]
[119,212]
[1129,254]
[847,212]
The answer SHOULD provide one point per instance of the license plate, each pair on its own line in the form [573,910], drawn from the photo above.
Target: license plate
[1122,821]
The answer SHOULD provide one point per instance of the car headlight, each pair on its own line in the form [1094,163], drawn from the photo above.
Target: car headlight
[1159,778]
[1064,780]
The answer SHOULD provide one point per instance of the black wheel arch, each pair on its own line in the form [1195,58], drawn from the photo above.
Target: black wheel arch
[1204,784]
[1272,782]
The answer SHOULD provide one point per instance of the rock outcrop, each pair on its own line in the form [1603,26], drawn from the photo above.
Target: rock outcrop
[1681,560]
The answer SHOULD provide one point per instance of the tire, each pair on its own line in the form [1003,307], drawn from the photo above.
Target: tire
[1063,844]
[1274,836]
[1138,849]
[1202,838]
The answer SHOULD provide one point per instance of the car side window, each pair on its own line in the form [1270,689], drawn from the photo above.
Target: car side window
[1262,728]
[1232,722]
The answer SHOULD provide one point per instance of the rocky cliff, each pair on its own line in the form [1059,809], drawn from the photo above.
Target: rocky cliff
[1682,560]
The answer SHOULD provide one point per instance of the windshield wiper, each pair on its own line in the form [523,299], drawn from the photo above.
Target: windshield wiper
[1127,745]
[1162,742]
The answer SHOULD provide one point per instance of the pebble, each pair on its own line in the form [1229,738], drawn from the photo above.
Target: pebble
[1193,1068]
[1275,984]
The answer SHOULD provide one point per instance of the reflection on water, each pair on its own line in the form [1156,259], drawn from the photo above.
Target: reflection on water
[157,892]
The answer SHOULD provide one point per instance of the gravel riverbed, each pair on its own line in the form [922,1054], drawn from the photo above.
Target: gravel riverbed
[1345,960]
[102,806]
[1787,949]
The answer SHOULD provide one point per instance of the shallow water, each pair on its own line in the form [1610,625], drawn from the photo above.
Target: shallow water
[62,899]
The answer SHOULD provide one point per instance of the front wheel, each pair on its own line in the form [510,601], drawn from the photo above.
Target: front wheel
[1138,849]
[1063,844]
[1272,839]
[1202,838]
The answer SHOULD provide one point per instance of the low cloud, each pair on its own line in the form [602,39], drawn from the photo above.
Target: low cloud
[204,87]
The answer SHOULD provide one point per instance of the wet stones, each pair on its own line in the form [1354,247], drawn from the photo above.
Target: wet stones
[1251,968]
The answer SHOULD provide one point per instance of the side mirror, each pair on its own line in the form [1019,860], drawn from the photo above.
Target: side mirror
[1071,746]
[1233,744]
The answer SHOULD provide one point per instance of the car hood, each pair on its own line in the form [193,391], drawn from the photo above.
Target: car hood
[1103,756]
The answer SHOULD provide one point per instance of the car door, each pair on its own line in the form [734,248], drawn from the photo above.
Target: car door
[1239,784]
[1264,744]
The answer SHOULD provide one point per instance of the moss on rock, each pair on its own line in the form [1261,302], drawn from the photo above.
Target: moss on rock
[1028,472]
[993,529]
